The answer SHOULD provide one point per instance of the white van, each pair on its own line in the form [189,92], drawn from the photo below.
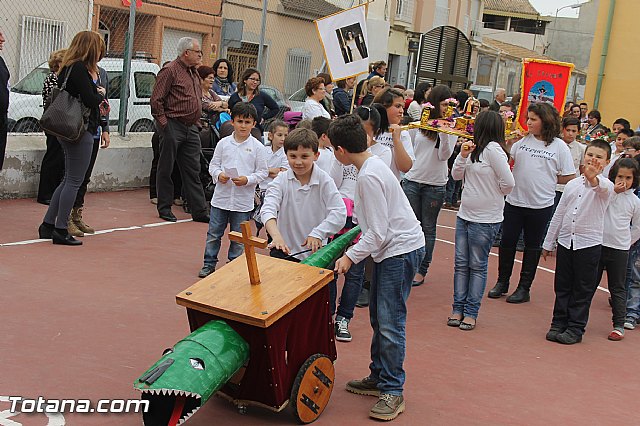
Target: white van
[25,98]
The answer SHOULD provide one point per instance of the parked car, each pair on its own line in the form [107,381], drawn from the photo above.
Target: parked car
[25,98]
[482,92]
[296,101]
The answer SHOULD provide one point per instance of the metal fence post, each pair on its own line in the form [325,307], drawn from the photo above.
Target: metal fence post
[263,30]
[126,71]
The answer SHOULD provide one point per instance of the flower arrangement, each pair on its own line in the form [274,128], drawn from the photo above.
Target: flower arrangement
[427,105]
[508,114]
[452,101]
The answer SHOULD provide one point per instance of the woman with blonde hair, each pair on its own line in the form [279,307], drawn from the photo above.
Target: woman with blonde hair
[79,69]
[374,86]
[52,168]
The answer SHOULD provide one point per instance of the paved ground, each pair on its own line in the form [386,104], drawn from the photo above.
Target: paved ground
[85,322]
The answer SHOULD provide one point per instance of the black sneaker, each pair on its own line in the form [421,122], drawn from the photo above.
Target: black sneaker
[568,338]
[206,271]
[342,330]
[630,323]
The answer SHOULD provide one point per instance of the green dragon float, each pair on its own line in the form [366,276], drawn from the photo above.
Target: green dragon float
[242,359]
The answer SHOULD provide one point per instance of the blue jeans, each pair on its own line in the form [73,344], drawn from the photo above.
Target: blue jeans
[473,243]
[218,221]
[426,202]
[633,282]
[389,292]
[452,190]
[353,280]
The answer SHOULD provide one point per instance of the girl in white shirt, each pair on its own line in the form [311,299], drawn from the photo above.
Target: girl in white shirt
[424,184]
[316,92]
[621,230]
[541,160]
[487,178]
[390,134]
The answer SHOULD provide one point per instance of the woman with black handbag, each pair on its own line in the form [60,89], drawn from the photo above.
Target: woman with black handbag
[78,75]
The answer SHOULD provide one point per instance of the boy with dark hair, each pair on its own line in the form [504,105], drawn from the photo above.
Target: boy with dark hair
[619,124]
[393,237]
[617,148]
[239,163]
[631,146]
[326,160]
[577,229]
[302,206]
[570,131]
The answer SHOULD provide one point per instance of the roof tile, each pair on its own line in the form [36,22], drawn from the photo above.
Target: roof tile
[513,6]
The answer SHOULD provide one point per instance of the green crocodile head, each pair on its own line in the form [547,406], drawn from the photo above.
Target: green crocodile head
[186,376]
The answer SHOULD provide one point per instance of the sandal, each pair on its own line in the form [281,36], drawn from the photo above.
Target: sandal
[466,326]
[454,322]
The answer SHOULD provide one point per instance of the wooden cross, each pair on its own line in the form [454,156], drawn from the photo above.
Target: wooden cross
[249,242]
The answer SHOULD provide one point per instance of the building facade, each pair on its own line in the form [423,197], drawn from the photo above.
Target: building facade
[612,84]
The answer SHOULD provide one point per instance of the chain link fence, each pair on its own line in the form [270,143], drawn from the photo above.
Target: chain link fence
[229,29]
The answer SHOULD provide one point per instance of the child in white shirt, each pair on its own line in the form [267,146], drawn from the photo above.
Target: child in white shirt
[570,131]
[239,163]
[484,166]
[425,183]
[277,162]
[390,135]
[326,160]
[578,226]
[621,230]
[391,235]
[302,206]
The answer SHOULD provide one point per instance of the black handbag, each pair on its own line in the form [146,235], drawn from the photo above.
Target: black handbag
[66,117]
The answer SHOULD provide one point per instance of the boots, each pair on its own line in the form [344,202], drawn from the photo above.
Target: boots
[72,228]
[530,260]
[505,267]
[76,217]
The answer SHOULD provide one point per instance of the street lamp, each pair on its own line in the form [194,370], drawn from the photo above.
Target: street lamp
[555,21]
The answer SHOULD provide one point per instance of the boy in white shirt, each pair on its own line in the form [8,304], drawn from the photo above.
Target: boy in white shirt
[239,163]
[326,160]
[302,207]
[392,236]
[570,131]
[578,226]
[277,162]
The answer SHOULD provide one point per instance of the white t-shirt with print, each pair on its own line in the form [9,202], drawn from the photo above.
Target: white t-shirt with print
[536,169]
[386,139]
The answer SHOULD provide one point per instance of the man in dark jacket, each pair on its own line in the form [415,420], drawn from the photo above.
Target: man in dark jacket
[4,101]
[499,98]
[342,97]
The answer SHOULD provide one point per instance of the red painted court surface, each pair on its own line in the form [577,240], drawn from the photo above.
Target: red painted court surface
[85,322]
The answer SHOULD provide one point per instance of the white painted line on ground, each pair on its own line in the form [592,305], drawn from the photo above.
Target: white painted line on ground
[100,232]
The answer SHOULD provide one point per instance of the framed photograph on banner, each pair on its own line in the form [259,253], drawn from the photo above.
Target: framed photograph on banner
[345,42]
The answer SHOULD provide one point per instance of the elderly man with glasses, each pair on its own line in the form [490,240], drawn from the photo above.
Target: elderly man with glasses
[176,106]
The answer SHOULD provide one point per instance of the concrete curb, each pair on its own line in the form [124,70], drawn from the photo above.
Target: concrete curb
[124,165]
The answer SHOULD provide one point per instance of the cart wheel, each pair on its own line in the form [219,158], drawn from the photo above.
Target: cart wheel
[312,388]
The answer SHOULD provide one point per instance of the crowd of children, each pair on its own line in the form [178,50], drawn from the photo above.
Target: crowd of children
[310,184]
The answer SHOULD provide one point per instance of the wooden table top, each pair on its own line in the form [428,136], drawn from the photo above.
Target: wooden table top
[228,293]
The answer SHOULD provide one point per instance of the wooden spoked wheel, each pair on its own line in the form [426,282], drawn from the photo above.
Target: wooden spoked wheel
[312,388]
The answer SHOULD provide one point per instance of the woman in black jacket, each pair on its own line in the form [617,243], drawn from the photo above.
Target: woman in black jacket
[80,69]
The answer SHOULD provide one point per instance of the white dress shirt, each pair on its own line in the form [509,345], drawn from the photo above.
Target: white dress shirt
[248,158]
[312,109]
[486,182]
[536,169]
[578,222]
[577,154]
[313,210]
[430,166]
[275,159]
[387,140]
[327,162]
[615,156]
[624,209]
[389,226]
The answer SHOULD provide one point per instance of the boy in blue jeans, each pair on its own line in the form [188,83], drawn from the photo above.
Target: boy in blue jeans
[239,163]
[393,237]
